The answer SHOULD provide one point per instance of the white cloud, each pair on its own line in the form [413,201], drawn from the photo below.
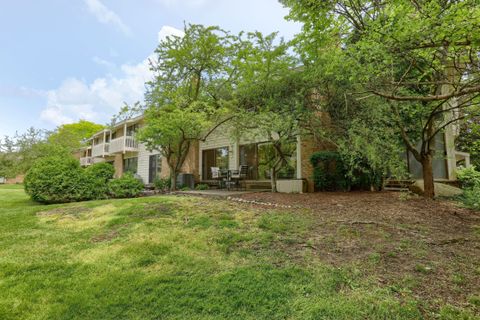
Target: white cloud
[99,99]
[167,31]
[103,62]
[107,16]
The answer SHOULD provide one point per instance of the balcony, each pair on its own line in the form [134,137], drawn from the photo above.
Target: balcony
[86,161]
[123,144]
[100,150]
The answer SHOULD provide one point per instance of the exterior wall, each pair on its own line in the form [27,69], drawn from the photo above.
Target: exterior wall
[219,138]
[118,165]
[307,147]
[18,179]
[143,169]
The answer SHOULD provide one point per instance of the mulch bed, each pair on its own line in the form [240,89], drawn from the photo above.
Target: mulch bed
[434,242]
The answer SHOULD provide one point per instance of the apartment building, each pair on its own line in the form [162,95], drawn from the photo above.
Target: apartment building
[118,146]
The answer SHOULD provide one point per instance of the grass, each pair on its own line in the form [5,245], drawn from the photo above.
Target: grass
[174,257]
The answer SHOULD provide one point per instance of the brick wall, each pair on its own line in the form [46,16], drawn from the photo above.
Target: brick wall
[17,179]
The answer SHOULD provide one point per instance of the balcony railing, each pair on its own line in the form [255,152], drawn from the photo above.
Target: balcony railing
[86,161]
[123,144]
[100,150]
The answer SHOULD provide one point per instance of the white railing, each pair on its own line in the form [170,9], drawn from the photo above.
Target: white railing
[123,144]
[100,150]
[86,161]
[130,143]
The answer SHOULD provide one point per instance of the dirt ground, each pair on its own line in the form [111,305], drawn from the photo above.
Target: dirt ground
[428,247]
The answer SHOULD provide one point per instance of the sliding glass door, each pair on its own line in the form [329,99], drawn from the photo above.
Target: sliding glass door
[260,156]
[214,158]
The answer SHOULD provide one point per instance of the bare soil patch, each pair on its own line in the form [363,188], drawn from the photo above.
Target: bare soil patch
[430,248]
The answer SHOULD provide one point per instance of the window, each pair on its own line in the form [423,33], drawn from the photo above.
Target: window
[259,156]
[131,130]
[130,165]
[155,167]
[214,158]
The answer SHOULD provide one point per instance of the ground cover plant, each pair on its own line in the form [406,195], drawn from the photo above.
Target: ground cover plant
[330,256]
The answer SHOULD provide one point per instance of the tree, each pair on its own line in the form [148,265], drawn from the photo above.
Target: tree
[73,135]
[18,153]
[420,56]
[469,139]
[271,99]
[190,93]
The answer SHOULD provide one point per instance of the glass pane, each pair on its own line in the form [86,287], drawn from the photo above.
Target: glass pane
[289,167]
[221,158]
[248,157]
[208,161]
[266,156]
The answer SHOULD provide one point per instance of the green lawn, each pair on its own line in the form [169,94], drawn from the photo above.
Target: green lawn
[171,257]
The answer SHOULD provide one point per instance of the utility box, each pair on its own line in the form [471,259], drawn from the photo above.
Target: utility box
[185,180]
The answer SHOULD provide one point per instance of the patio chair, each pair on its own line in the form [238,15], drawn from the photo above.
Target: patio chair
[217,175]
[241,175]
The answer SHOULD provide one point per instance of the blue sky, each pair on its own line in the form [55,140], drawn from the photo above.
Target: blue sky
[80,59]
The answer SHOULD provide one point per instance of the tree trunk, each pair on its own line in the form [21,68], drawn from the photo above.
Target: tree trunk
[173,180]
[428,182]
[273,179]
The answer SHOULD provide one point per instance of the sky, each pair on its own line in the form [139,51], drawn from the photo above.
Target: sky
[61,61]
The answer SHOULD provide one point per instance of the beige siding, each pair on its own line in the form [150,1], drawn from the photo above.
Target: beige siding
[143,162]
[220,138]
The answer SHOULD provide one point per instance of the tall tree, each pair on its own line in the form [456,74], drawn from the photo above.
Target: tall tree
[73,135]
[420,56]
[18,153]
[271,100]
[191,90]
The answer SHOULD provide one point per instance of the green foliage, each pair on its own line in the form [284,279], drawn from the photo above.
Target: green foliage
[469,138]
[18,154]
[190,91]
[103,171]
[71,136]
[175,257]
[162,184]
[329,173]
[470,181]
[270,99]
[202,186]
[125,187]
[468,177]
[404,54]
[59,180]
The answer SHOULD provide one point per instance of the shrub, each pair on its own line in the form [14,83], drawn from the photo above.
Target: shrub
[162,184]
[471,197]
[103,171]
[468,177]
[125,187]
[329,173]
[59,180]
[202,186]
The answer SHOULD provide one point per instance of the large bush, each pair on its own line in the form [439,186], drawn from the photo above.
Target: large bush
[468,177]
[471,197]
[59,179]
[103,171]
[329,173]
[125,187]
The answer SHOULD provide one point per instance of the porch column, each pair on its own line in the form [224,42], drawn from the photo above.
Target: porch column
[104,142]
[124,137]
[299,157]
